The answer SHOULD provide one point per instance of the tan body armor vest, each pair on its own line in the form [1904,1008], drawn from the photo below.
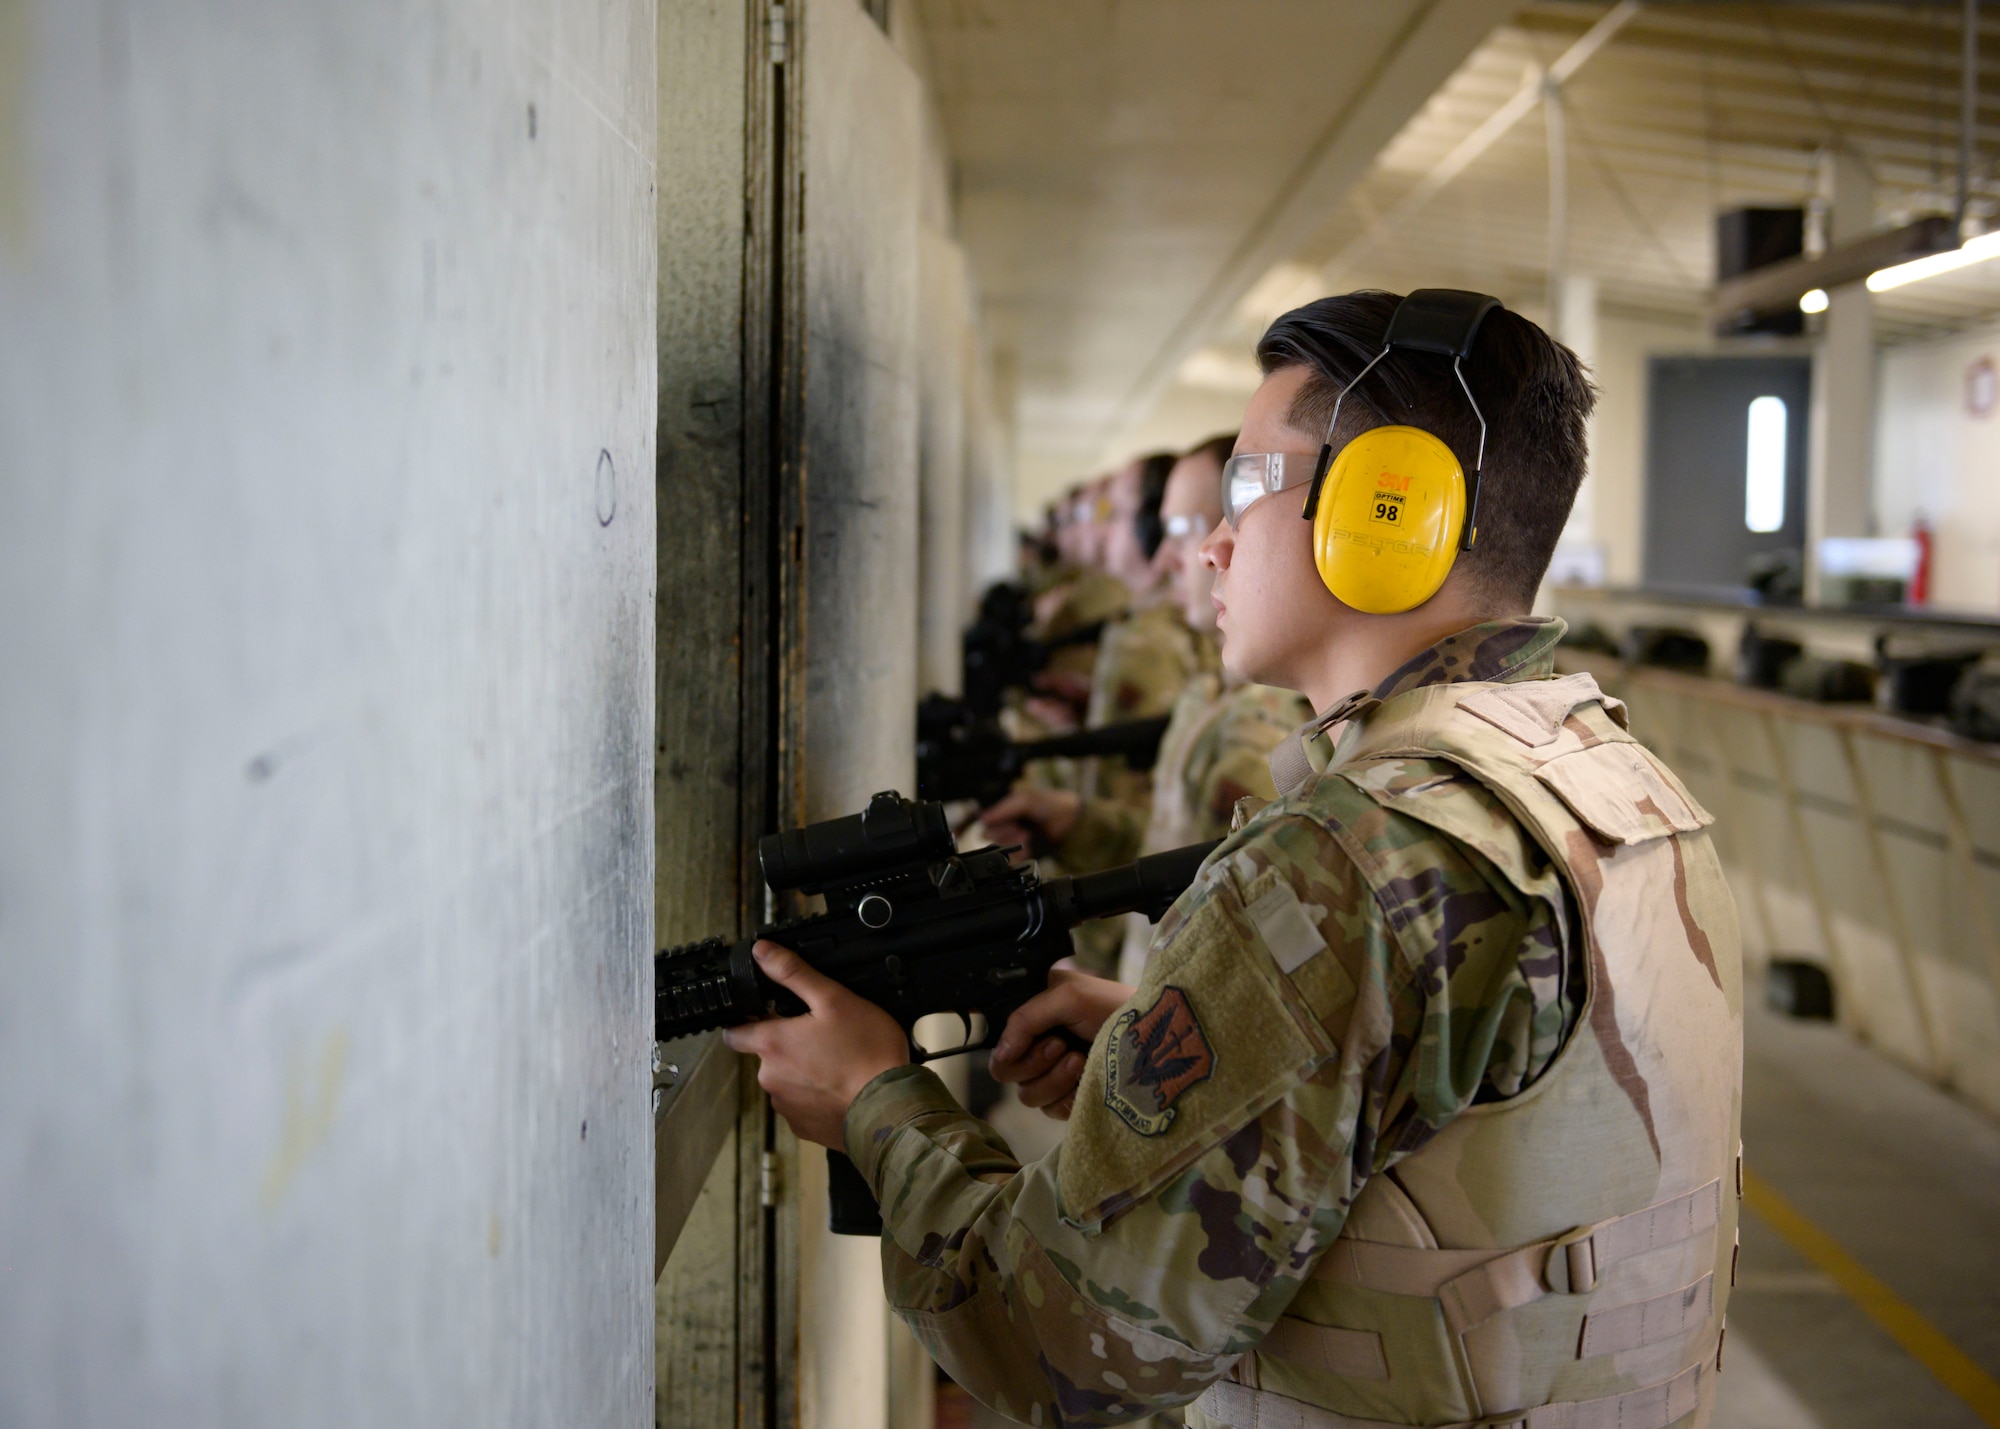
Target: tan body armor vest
[1561,1259]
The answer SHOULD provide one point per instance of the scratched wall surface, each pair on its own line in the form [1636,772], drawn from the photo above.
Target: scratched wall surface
[326,566]
[862,579]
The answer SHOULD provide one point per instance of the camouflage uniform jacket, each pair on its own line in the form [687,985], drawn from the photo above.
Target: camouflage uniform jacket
[1215,753]
[1095,597]
[1091,596]
[1229,1115]
[1212,754]
[1143,664]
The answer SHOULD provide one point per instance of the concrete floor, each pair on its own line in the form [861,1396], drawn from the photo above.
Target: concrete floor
[1905,1179]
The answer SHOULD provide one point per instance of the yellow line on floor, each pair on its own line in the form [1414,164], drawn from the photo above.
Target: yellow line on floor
[1955,1369]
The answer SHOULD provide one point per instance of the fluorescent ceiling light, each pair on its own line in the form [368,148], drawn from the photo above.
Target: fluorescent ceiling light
[1976,250]
[1813,301]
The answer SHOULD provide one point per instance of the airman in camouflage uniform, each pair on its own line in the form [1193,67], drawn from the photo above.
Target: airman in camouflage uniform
[1143,662]
[1092,597]
[1424,1109]
[1212,752]
[1234,1110]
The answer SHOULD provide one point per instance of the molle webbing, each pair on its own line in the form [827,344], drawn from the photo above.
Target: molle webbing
[1654,1407]
[1474,1285]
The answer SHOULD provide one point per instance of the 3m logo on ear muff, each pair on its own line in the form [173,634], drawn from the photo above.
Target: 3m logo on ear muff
[1390,516]
[1392,493]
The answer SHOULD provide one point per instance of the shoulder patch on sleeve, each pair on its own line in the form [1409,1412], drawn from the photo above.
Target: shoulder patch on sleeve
[1214,1035]
[1152,1056]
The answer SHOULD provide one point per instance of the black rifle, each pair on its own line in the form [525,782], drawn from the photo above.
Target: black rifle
[972,758]
[997,659]
[912,925]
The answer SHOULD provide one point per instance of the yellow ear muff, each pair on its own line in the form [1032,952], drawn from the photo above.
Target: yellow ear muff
[1390,513]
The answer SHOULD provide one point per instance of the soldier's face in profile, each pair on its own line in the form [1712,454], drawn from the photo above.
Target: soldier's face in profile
[1274,612]
[1190,510]
[1124,557]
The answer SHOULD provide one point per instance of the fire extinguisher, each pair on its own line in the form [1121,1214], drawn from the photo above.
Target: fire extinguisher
[1920,578]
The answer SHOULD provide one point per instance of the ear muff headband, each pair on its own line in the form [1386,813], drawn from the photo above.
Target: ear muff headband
[1400,506]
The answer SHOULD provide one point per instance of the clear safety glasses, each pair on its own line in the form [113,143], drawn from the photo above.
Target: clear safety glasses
[1250,477]
[1184,527]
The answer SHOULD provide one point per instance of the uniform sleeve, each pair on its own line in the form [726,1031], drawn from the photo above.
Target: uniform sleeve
[1296,1031]
[1233,761]
[1107,833]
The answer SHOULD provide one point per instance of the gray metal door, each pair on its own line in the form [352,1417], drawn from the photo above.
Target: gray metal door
[1707,490]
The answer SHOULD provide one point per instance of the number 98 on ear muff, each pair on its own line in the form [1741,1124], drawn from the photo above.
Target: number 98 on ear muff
[1389,520]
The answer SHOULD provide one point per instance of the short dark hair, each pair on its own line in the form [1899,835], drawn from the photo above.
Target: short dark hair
[1533,390]
[1220,447]
[1154,468]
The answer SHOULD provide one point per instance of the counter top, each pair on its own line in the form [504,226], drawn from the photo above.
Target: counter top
[1740,600]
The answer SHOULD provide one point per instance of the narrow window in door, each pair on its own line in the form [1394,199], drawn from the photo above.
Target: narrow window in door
[1764,466]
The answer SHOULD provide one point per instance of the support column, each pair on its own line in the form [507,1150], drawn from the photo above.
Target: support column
[863,378]
[1842,442]
[1555,119]
[941,460]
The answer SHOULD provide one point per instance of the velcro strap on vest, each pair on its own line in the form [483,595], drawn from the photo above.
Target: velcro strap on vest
[1331,1349]
[1645,1322]
[1474,1285]
[1288,763]
[1653,1407]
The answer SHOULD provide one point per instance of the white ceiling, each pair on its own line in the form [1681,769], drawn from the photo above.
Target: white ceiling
[1124,170]
[1137,192]
[1689,109]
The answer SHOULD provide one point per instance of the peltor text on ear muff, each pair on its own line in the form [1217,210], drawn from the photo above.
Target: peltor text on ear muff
[1391,514]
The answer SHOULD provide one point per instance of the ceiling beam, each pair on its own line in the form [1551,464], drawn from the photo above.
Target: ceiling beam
[1776,286]
[1467,150]
[1429,51]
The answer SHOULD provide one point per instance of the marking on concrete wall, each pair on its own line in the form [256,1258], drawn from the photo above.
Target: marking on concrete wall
[607,489]
[312,1102]
[1926,1343]
[16,163]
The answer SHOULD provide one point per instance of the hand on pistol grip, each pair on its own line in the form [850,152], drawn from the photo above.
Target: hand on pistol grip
[1048,1037]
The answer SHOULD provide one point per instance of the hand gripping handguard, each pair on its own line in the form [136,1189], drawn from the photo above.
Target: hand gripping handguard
[912,925]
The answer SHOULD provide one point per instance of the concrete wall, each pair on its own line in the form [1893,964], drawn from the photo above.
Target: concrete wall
[965,539]
[1932,453]
[862,590]
[1613,500]
[1936,456]
[326,564]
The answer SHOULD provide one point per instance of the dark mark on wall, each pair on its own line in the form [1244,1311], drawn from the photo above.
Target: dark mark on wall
[260,769]
[531,121]
[607,489]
